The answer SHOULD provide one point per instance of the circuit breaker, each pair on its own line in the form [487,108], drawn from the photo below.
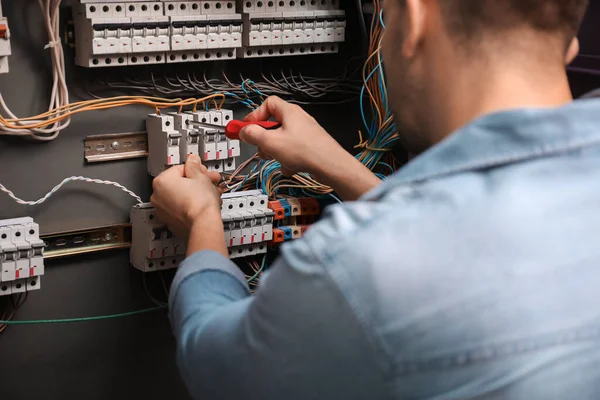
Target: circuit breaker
[247,221]
[174,136]
[155,32]
[5,49]
[21,256]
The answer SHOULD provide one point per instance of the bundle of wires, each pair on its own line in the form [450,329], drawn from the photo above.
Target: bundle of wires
[381,131]
[294,87]
[63,113]
[9,306]
[45,128]
[256,270]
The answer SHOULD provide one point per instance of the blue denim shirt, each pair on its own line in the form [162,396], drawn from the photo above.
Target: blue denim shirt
[472,273]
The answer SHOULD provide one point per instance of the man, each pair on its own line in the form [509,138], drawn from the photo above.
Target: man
[472,273]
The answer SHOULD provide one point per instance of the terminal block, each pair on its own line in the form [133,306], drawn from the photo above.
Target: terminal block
[247,221]
[172,137]
[21,256]
[155,32]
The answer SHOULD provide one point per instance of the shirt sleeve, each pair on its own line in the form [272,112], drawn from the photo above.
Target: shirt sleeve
[296,338]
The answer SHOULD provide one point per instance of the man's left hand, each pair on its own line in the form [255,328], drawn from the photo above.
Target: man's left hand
[186,194]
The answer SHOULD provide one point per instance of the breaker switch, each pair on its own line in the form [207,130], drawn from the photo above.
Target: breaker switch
[3,31]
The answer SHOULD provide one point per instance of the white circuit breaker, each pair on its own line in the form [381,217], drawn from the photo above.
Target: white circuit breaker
[5,50]
[113,33]
[21,256]
[172,137]
[284,28]
[247,220]
[137,32]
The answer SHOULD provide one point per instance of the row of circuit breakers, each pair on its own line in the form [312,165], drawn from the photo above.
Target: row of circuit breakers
[156,32]
[21,256]
[174,136]
[251,224]
[247,220]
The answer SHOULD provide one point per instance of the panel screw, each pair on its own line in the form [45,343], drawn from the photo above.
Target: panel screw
[114,145]
[108,236]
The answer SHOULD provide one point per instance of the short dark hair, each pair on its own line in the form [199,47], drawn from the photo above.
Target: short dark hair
[471,18]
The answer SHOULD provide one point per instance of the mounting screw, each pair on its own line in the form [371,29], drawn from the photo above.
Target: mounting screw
[108,236]
[114,145]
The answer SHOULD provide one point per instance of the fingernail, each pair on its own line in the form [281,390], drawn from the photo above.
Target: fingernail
[195,158]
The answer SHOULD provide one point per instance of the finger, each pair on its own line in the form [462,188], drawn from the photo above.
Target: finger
[286,172]
[264,155]
[197,158]
[194,167]
[272,107]
[214,177]
[175,172]
[255,135]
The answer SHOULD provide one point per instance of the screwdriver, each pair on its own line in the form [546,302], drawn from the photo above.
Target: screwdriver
[233,128]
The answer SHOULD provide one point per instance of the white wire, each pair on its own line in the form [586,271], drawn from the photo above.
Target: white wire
[60,92]
[67,180]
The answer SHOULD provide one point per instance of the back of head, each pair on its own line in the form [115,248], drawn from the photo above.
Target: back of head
[468,21]
[450,54]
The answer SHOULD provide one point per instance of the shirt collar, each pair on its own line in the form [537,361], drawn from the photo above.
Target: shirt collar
[503,138]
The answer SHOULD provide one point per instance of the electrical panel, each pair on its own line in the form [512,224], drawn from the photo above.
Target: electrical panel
[174,136]
[247,220]
[156,32]
[5,50]
[21,256]
[291,27]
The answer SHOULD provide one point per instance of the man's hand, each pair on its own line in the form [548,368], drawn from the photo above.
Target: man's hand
[300,145]
[184,195]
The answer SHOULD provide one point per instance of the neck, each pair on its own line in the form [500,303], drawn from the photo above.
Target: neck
[473,92]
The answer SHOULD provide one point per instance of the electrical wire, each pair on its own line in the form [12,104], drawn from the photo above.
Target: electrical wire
[83,319]
[13,303]
[37,128]
[64,181]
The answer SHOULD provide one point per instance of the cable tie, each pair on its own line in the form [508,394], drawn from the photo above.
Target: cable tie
[52,44]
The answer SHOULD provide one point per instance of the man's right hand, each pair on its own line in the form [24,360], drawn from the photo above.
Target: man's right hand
[302,145]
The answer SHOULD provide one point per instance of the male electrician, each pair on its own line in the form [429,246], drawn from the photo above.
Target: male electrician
[472,273]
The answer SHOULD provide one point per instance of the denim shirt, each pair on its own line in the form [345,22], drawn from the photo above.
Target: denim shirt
[472,273]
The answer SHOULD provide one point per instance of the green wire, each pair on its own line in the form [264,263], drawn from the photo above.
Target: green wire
[262,267]
[110,316]
[84,319]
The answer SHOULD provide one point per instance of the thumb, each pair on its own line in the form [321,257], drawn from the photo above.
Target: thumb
[254,135]
[285,171]
[194,167]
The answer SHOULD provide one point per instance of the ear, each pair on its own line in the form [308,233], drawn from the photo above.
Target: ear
[416,17]
[573,51]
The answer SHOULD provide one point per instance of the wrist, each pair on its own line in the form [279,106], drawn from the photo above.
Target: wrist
[207,233]
[325,169]
[209,220]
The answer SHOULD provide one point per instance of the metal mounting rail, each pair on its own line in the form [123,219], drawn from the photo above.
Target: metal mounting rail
[116,146]
[64,244]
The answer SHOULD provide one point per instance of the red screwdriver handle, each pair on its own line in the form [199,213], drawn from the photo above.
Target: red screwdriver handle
[233,128]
